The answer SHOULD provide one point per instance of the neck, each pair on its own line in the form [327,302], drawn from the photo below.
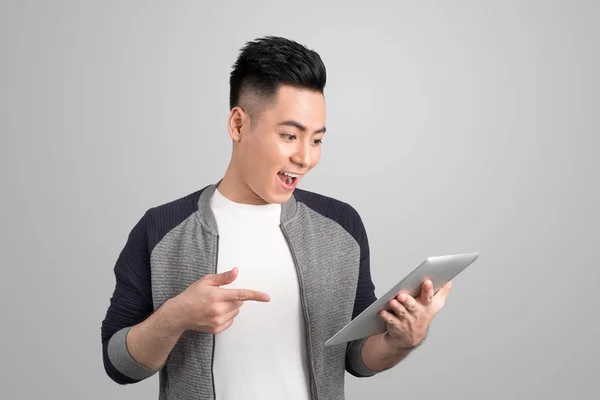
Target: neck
[234,187]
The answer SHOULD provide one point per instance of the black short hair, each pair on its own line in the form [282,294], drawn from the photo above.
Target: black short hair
[269,62]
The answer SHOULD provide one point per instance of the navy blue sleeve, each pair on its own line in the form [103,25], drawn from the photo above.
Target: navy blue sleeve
[131,301]
[365,289]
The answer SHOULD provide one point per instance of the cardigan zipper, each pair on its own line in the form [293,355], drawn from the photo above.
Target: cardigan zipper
[212,360]
[306,320]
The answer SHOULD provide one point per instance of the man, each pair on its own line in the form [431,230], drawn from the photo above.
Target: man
[231,291]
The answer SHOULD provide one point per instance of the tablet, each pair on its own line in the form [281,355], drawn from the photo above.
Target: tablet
[439,270]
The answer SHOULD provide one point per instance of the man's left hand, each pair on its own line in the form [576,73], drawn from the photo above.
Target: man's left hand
[408,324]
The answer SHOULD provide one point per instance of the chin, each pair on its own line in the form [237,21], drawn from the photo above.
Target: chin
[279,199]
[273,194]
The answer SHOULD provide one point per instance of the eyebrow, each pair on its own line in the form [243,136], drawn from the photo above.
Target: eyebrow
[298,125]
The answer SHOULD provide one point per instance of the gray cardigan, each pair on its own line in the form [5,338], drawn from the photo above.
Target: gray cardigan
[175,244]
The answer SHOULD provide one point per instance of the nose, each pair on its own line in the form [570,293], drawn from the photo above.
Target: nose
[302,156]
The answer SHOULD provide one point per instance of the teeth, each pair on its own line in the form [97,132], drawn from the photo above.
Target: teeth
[290,175]
[290,180]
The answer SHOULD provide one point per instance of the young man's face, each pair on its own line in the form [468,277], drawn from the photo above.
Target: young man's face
[285,138]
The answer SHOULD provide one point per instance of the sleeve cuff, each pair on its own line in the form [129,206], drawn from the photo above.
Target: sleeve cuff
[355,359]
[119,356]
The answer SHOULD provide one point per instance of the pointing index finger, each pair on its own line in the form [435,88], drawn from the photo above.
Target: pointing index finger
[245,295]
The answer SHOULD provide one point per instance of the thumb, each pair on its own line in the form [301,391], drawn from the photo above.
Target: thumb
[224,278]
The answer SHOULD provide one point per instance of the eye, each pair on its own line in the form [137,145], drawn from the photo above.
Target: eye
[288,136]
[318,141]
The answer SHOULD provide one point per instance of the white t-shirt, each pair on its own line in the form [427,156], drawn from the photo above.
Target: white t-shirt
[263,354]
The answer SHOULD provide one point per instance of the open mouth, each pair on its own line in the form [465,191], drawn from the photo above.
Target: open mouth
[288,180]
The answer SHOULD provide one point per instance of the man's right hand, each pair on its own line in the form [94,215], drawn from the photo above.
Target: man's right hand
[206,307]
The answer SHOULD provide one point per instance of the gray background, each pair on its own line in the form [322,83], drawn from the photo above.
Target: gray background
[452,127]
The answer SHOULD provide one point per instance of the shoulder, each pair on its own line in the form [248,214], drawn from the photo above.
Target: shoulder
[180,208]
[328,206]
[161,219]
[337,210]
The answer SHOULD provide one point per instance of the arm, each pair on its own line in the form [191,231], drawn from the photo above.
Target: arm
[138,340]
[365,296]
[379,354]
[130,305]
[150,342]
[369,356]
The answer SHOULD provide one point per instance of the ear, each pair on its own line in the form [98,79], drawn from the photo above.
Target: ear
[238,123]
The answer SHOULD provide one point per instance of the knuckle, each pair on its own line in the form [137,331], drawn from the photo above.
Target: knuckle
[222,327]
[241,295]
[215,310]
[211,296]
[216,321]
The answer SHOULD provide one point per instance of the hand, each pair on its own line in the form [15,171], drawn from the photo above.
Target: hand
[206,307]
[408,324]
